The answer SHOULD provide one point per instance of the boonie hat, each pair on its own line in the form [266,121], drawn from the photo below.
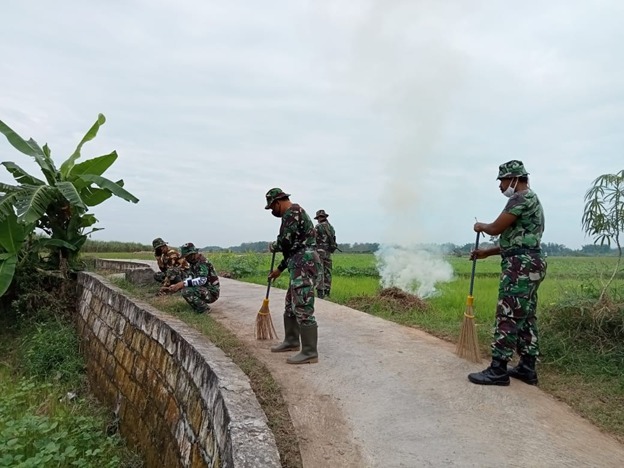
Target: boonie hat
[321,214]
[275,194]
[188,248]
[513,168]
[158,242]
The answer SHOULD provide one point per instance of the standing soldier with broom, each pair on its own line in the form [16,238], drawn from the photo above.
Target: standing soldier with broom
[296,240]
[523,265]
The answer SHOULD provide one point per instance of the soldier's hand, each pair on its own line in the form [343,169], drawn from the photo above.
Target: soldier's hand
[274,274]
[176,287]
[479,254]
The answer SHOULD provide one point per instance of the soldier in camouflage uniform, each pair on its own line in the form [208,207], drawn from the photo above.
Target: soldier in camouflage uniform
[523,266]
[171,264]
[201,286]
[325,246]
[297,242]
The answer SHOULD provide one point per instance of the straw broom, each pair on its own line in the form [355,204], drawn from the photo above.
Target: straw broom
[468,344]
[264,324]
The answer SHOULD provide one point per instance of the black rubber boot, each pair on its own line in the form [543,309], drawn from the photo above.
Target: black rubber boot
[308,354]
[496,374]
[291,336]
[525,370]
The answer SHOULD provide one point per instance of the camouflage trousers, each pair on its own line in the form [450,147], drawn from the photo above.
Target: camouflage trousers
[516,322]
[198,297]
[325,279]
[169,277]
[303,269]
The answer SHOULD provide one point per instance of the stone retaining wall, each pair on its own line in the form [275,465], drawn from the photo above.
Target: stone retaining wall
[178,398]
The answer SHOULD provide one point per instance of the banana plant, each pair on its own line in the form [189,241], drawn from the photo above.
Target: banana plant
[58,204]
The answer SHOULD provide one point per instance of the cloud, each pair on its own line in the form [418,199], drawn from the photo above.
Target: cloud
[378,112]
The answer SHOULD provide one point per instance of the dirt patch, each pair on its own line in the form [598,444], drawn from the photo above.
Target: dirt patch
[393,299]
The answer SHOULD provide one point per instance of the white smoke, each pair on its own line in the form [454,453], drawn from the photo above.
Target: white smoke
[406,65]
[411,78]
[412,269]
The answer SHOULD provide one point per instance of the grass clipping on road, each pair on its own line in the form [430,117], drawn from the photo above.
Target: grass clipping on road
[393,299]
[266,389]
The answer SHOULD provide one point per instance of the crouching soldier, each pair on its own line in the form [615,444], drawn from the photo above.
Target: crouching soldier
[201,286]
[171,264]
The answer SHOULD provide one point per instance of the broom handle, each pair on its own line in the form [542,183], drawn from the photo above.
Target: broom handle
[269,285]
[474,265]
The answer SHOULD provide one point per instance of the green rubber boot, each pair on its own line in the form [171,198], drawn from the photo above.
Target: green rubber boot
[291,336]
[308,354]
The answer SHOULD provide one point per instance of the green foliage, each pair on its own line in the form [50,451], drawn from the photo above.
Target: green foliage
[37,430]
[236,265]
[603,216]
[57,206]
[51,350]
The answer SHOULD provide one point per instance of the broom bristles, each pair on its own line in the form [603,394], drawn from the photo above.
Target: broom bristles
[264,324]
[468,344]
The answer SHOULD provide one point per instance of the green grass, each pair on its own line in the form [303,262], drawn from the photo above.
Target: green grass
[47,417]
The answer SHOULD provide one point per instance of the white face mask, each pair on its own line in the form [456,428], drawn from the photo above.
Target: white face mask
[510,190]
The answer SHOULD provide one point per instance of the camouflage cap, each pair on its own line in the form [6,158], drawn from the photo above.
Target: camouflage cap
[274,194]
[188,248]
[321,214]
[158,242]
[513,168]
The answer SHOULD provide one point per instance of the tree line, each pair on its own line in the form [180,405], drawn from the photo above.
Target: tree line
[551,248]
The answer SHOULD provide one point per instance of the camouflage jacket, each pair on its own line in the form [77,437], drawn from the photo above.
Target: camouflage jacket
[325,237]
[526,231]
[171,259]
[202,273]
[296,234]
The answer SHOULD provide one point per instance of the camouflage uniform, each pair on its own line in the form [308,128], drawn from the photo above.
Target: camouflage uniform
[325,246]
[296,240]
[523,267]
[201,287]
[171,264]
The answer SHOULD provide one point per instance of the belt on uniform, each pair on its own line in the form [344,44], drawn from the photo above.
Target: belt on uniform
[519,251]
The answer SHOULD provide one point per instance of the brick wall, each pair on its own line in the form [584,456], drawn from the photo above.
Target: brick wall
[178,398]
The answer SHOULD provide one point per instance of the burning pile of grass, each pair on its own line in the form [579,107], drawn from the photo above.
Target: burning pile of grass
[392,299]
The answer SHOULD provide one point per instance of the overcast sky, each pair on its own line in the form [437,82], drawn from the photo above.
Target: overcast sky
[393,116]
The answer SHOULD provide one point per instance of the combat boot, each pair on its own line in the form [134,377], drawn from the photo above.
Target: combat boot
[320,293]
[525,370]
[291,336]
[308,354]
[496,374]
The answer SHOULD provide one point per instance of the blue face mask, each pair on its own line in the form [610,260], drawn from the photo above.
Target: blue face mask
[509,191]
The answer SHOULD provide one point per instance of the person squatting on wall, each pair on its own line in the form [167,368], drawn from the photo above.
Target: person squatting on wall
[201,286]
[523,267]
[325,246]
[297,242]
[171,264]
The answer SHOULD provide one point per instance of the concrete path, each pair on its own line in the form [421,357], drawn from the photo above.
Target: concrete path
[384,395]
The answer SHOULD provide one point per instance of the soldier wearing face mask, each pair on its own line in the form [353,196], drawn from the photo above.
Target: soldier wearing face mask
[297,242]
[520,227]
